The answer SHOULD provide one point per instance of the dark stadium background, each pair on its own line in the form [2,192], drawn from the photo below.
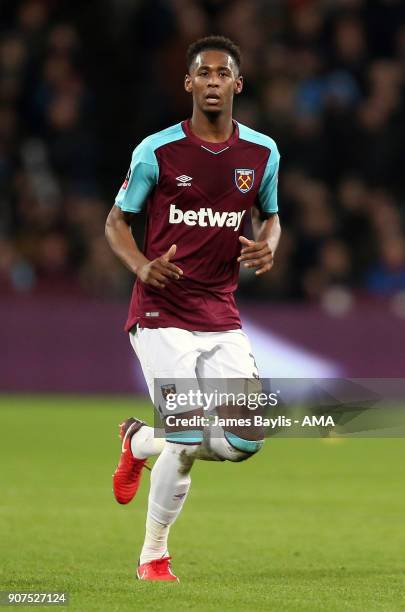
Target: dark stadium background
[82,83]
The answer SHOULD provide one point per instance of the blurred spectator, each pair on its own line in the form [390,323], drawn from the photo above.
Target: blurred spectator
[388,275]
[324,79]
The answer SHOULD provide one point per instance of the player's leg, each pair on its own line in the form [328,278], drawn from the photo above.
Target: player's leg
[231,359]
[169,487]
[144,444]
[235,447]
[138,441]
[168,356]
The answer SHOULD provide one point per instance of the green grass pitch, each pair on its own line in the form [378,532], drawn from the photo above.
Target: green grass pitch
[305,525]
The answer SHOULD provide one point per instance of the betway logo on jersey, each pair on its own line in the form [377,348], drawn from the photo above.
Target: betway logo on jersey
[206,217]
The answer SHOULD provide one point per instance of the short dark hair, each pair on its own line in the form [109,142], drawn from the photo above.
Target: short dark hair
[220,43]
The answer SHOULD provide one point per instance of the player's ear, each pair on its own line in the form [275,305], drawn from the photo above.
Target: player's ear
[188,85]
[238,85]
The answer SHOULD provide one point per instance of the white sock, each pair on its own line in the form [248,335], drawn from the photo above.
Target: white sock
[169,485]
[155,545]
[144,444]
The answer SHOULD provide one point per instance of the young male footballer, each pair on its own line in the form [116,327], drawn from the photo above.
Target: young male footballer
[199,180]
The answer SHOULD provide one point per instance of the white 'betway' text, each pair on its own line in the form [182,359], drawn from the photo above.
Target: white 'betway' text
[206,217]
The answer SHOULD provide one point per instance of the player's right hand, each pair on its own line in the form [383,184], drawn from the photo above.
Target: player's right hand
[160,271]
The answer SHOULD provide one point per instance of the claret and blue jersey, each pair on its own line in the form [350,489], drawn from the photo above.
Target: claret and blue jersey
[197,195]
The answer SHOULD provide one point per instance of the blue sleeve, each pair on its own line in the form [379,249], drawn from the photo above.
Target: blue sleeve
[141,178]
[268,187]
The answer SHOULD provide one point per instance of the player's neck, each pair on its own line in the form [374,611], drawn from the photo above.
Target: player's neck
[211,128]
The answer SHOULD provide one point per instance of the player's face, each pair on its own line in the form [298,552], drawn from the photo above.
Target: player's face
[213,80]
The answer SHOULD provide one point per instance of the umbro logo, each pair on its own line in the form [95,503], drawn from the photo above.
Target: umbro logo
[184,180]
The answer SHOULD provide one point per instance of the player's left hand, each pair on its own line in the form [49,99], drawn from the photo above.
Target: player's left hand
[256,255]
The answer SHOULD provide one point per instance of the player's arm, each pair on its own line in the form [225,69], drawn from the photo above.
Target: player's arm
[259,253]
[120,238]
[141,179]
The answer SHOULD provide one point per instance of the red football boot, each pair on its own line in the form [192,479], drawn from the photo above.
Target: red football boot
[127,476]
[158,569]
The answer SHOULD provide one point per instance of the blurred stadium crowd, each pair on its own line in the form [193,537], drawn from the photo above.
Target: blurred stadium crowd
[81,84]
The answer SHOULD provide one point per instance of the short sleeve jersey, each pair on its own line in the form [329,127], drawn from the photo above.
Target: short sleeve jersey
[197,195]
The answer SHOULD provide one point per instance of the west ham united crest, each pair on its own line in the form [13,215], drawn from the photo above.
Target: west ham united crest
[168,390]
[244,179]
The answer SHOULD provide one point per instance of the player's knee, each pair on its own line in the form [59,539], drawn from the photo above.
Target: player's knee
[231,447]
[185,446]
[246,447]
[190,437]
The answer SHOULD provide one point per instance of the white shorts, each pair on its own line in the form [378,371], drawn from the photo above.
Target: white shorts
[171,354]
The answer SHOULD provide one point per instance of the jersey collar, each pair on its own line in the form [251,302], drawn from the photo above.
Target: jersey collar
[214,147]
